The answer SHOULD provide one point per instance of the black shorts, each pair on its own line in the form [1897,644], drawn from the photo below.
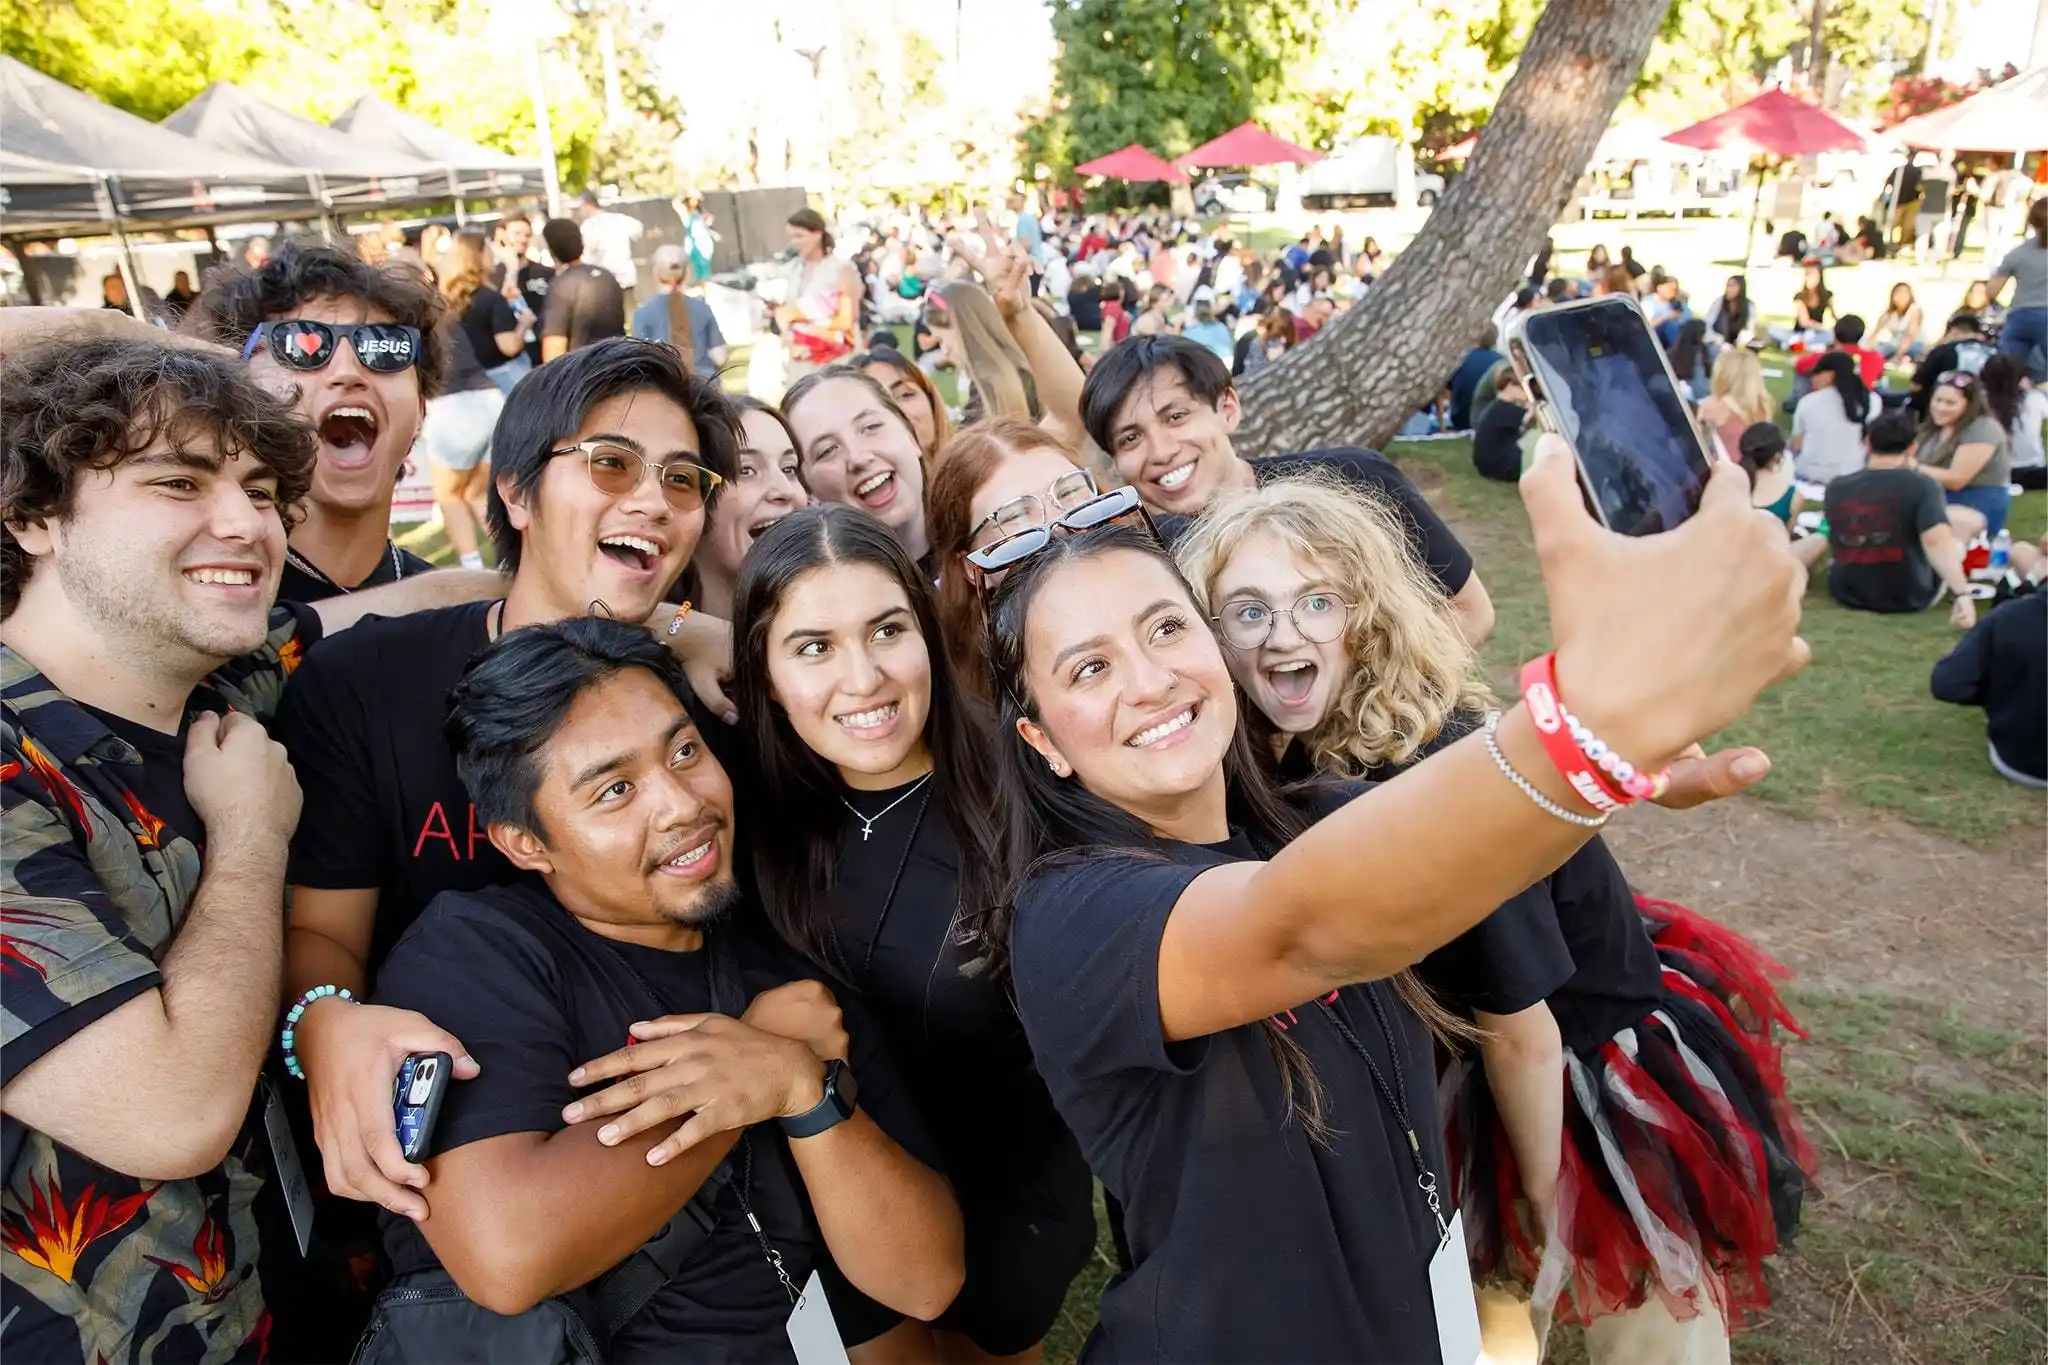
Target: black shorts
[1026,1241]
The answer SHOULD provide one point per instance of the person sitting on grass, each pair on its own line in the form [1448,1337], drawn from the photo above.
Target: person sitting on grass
[2002,666]
[1963,448]
[1761,449]
[1848,337]
[2022,409]
[1962,347]
[1497,434]
[1827,427]
[1889,532]
[1897,333]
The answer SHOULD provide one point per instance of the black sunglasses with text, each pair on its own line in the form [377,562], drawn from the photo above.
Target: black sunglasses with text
[302,344]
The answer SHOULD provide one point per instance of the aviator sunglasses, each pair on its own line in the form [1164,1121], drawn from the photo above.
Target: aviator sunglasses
[304,345]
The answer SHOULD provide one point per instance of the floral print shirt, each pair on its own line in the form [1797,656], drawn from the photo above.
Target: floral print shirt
[95,1266]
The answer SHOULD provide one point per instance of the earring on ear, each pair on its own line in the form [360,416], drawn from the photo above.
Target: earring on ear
[1059,769]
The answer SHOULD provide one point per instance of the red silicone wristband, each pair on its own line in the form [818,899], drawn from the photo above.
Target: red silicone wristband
[1546,709]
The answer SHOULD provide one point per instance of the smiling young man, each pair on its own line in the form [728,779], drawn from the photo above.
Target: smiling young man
[1165,408]
[144,505]
[150,485]
[588,773]
[354,346]
[605,463]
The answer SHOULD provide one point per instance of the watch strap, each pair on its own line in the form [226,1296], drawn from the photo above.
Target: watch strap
[831,1110]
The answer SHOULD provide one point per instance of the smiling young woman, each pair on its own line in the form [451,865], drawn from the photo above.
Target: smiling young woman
[880,865]
[1363,676]
[1202,967]
[859,449]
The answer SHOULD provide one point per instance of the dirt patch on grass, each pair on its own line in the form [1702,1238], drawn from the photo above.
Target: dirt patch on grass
[1853,903]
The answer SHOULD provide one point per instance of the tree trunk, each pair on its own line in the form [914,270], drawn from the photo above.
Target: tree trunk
[1374,365]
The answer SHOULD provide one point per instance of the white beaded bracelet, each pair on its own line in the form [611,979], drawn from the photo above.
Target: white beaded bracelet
[1507,770]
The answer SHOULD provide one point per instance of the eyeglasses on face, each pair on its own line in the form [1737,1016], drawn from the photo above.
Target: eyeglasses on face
[1068,491]
[1246,623]
[305,345]
[616,470]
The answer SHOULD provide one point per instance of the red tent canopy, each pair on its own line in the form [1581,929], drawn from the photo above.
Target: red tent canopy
[1773,124]
[1134,162]
[1248,145]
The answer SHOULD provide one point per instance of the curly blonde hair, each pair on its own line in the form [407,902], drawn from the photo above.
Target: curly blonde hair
[1412,669]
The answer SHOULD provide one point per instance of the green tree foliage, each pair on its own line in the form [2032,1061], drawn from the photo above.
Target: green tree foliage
[145,56]
[1168,73]
[452,62]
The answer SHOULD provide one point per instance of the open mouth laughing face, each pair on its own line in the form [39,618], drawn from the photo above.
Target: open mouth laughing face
[367,421]
[625,549]
[857,452]
[1267,587]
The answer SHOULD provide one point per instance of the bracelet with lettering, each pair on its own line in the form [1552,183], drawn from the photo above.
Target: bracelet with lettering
[1602,778]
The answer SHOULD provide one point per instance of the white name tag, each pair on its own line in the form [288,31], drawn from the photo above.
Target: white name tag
[1450,1289]
[813,1333]
[284,1158]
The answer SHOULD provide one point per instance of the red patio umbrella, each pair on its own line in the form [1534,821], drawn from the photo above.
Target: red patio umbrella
[1774,123]
[1134,162]
[1248,145]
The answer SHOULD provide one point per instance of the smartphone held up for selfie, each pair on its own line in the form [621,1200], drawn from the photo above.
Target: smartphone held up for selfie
[1599,378]
[423,1080]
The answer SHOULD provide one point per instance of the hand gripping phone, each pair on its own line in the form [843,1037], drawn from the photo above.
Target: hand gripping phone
[1599,378]
[423,1080]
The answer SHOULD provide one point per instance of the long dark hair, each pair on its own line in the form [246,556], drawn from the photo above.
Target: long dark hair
[2001,378]
[1848,383]
[1689,351]
[795,852]
[1054,820]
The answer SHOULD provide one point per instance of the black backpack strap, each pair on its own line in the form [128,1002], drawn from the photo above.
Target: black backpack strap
[626,1288]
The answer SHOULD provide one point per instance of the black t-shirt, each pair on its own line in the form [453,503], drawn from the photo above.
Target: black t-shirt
[532,994]
[534,279]
[1875,520]
[1497,440]
[585,304]
[1575,939]
[1084,302]
[384,806]
[1250,1241]
[486,315]
[302,582]
[1940,359]
[2002,666]
[159,784]
[1433,543]
[954,1037]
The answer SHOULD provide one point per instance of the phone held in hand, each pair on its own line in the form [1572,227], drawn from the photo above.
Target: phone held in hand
[423,1080]
[1599,378]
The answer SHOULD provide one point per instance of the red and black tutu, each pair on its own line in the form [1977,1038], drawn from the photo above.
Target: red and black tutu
[1681,1165]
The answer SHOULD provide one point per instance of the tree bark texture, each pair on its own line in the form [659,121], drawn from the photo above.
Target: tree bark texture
[1358,380]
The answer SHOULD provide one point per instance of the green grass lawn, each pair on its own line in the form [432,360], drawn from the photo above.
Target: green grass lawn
[1856,729]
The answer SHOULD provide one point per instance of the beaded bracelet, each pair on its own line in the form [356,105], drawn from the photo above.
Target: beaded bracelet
[1636,786]
[675,623]
[1528,789]
[289,1036]
[1602,777]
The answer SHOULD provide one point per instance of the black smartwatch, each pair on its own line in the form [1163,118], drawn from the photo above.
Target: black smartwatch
[841,1094]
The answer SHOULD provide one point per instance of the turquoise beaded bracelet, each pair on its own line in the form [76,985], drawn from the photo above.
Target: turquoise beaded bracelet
[289,1037]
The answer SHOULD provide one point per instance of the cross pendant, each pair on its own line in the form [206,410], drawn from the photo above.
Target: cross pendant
[866,828]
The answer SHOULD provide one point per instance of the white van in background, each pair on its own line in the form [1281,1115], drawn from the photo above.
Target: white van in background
[1369,172]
